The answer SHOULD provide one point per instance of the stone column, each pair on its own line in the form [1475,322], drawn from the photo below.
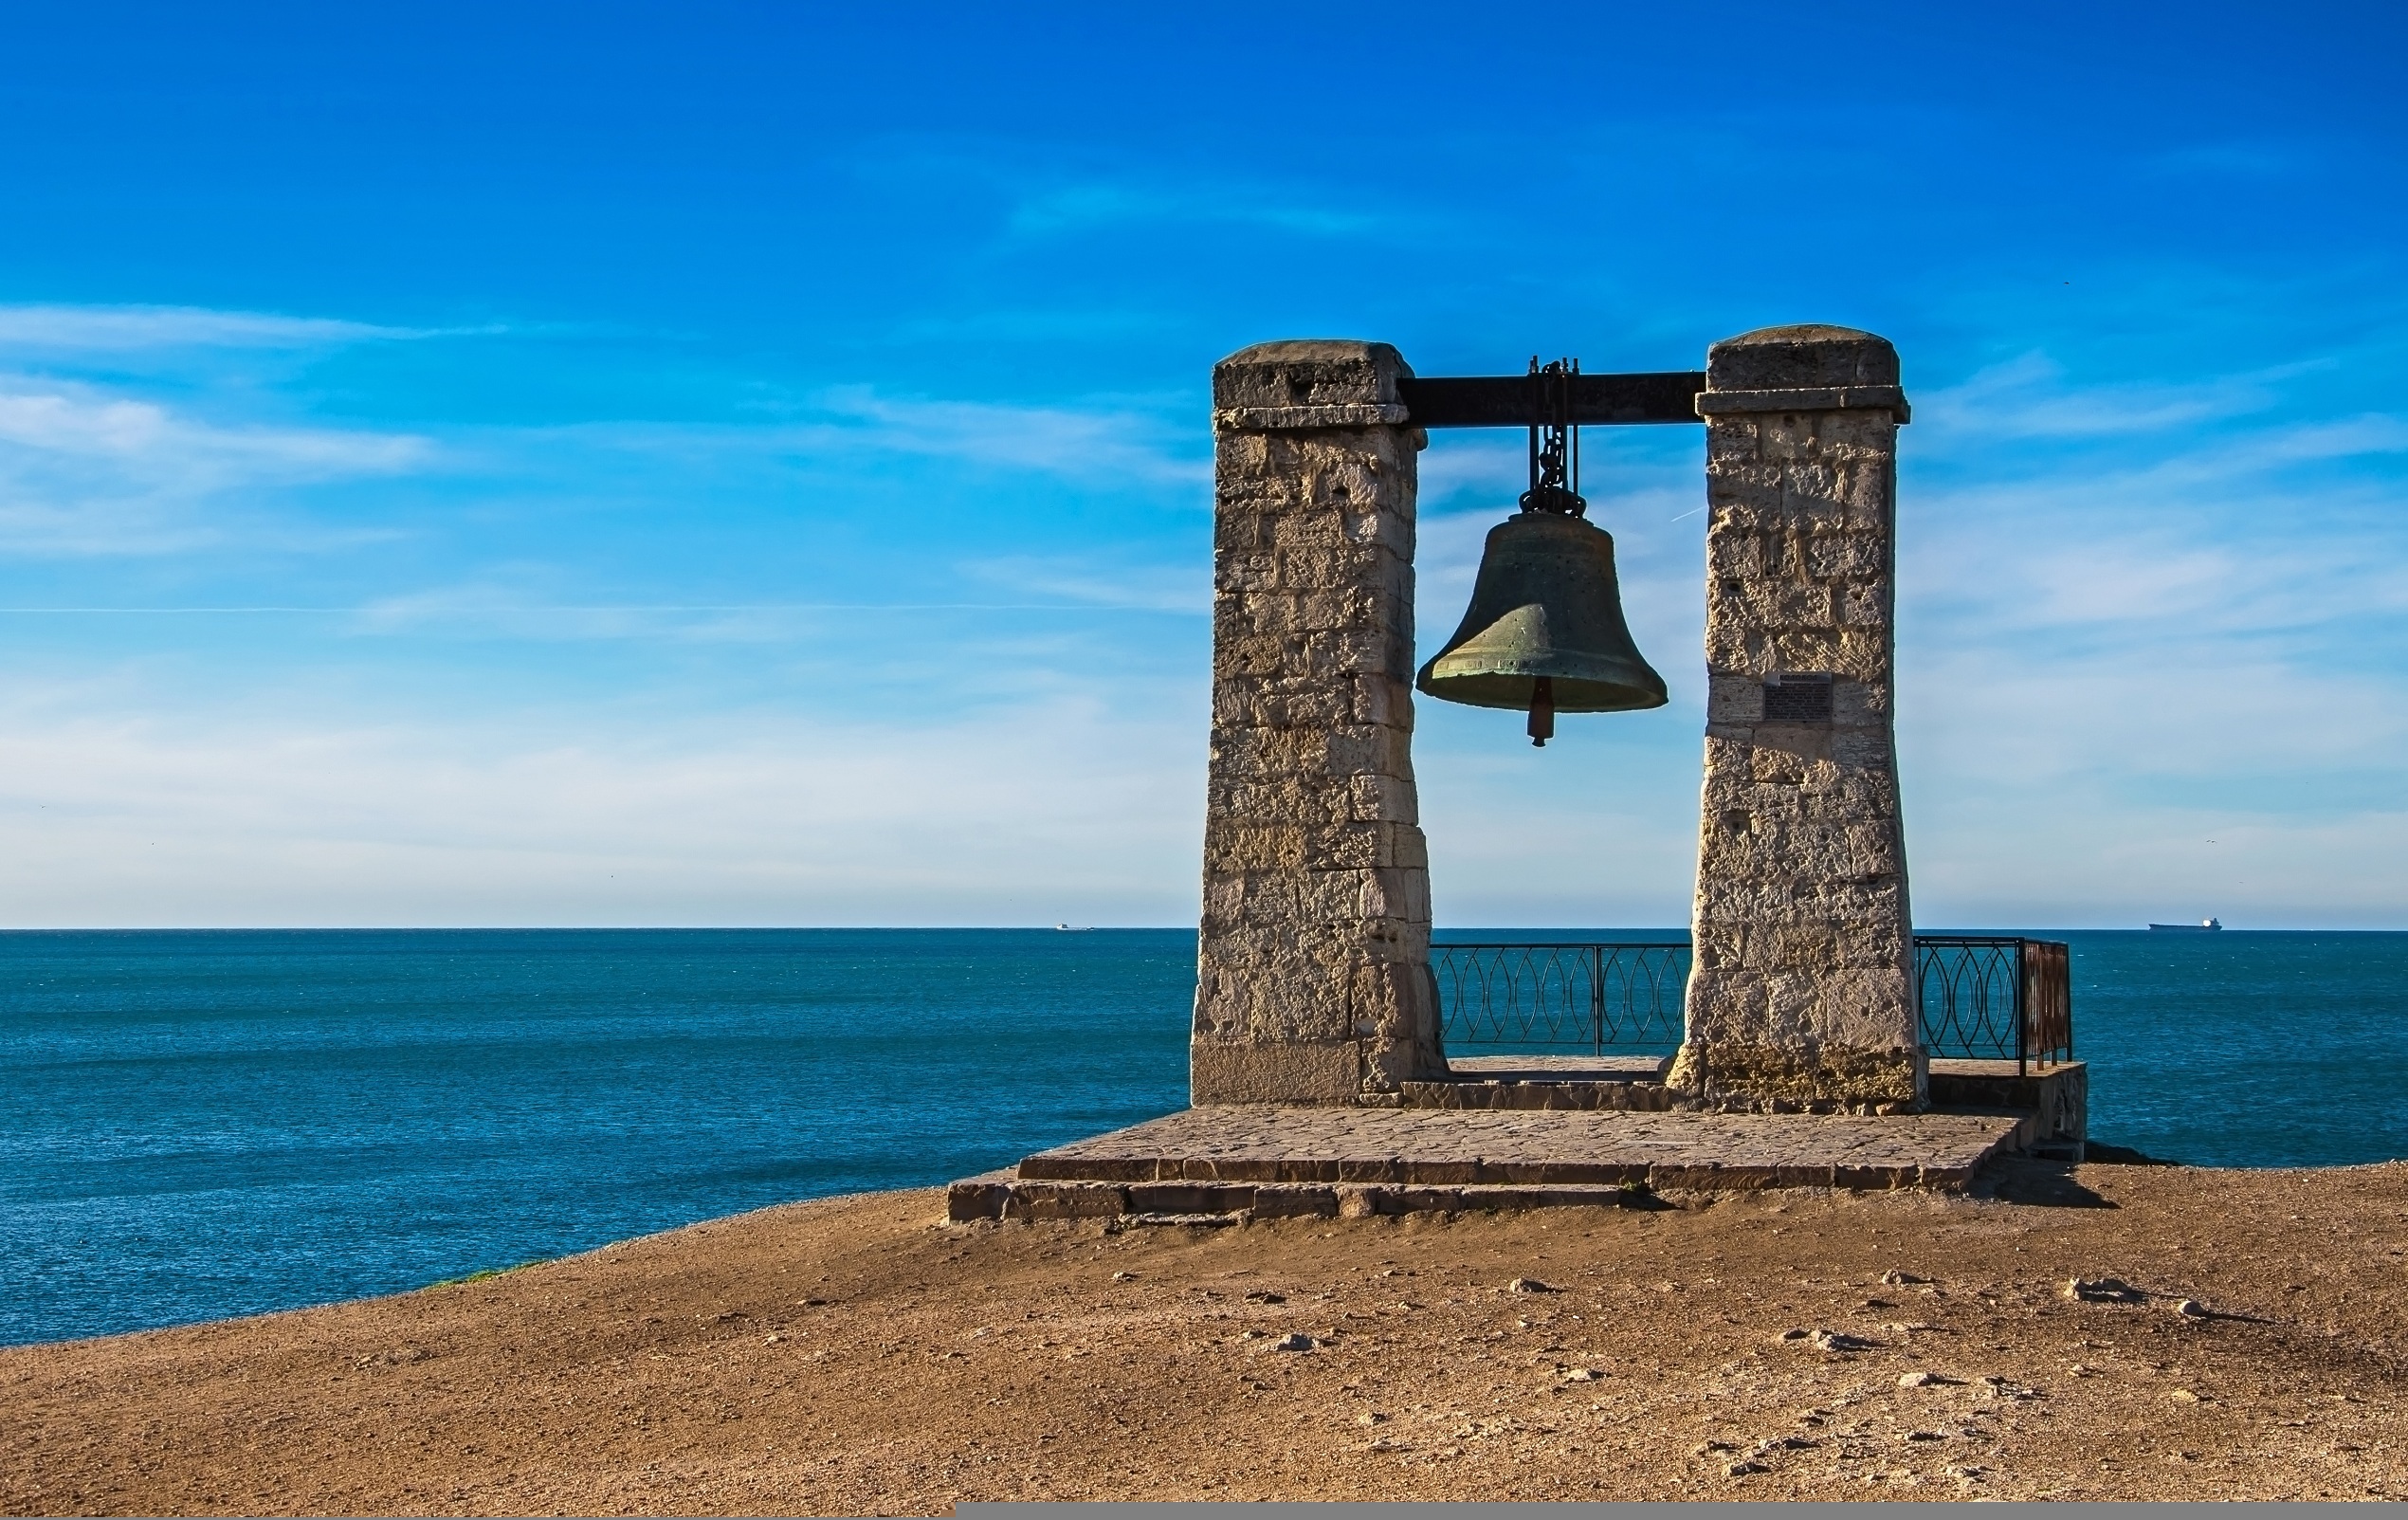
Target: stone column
[1313,978]
[1803,987]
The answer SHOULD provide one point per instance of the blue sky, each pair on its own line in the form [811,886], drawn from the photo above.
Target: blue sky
[749,465]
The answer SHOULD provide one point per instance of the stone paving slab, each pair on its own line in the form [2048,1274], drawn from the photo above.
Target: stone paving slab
[1283,1145]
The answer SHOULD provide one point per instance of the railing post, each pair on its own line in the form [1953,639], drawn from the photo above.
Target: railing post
[2022,1009]
[2068,1000]
[1596,995]
[1923,1004]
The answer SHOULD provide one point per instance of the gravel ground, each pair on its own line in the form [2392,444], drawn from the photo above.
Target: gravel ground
[858,1355]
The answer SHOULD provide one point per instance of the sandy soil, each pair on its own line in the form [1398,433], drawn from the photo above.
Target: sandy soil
[858,1355]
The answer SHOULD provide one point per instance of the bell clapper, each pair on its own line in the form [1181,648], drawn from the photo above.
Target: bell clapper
[1542,711]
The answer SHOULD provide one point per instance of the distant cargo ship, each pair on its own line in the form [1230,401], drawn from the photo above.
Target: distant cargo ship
[2200,927]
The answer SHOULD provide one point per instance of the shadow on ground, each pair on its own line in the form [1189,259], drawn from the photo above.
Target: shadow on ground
[2044,1185]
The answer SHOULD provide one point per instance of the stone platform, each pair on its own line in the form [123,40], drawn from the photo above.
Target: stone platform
[1225,1164]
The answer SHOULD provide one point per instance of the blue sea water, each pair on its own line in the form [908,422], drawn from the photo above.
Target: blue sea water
[196,1124]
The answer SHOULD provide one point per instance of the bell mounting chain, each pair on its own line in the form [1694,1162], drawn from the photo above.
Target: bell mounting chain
[1554,443]
[1555,487]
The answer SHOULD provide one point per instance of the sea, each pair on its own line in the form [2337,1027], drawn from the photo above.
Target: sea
[203,1123]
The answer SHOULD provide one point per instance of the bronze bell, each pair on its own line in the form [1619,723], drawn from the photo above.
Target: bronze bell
[1544,631]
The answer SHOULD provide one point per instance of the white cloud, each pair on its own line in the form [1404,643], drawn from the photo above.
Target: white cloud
[1087,445]
[1031,815]
[1100,583]
[530,605]
[1100,445]
[126,329]
[2028,571]
[84,470]
[158,444]
[2027,397]
[1453,467]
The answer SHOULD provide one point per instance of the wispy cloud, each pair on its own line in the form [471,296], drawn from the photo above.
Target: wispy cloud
[1098,583]
[1100,443]
[2028,397]
[160,443]
[2241,528]
[123,329]
[1096,446]
[523,610]
[1481,462]
[87,471]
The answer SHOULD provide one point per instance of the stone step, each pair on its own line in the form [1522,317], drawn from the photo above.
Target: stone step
[1003,1196]
[1265,1161]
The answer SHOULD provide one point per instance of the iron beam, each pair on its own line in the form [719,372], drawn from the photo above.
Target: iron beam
[1504,400]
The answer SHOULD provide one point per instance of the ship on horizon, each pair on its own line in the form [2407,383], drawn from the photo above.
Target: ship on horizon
[2200,927]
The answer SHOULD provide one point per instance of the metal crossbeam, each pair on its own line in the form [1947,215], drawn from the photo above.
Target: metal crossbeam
[1504,400]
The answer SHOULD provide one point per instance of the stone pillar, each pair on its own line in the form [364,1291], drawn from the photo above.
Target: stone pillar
[1313,978]
[1803,986]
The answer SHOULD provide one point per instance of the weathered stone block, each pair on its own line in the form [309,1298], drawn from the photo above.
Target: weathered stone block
[1232,848]
[1271,1071]
[1734,552]
[1380,698]
[1381,842]
[1844,554]
[1381,799]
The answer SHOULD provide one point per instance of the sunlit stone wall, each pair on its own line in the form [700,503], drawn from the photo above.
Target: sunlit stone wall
[1313,980]
[1803,988]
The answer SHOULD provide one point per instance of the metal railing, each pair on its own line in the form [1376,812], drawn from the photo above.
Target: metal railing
[1983,996]
[1598,998]
[1996,997]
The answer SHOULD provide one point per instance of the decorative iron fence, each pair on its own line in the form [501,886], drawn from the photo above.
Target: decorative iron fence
[1597,997]
[1998,997]
[1985,997]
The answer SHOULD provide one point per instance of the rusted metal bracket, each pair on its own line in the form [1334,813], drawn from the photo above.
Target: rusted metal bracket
[1504,400]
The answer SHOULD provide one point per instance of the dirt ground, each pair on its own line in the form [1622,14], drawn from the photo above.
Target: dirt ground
[857,1355]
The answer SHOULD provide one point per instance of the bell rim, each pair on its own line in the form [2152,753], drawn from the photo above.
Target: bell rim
[1566,691]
